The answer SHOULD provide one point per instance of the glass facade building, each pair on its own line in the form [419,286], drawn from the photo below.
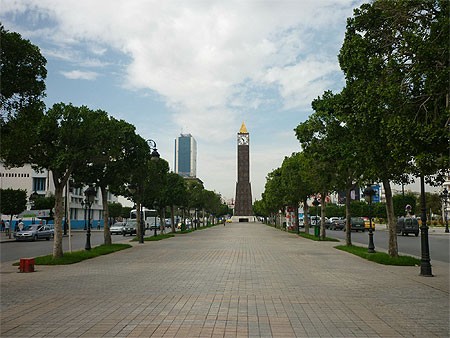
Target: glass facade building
[186,156]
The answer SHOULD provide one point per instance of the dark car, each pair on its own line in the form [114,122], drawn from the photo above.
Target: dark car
[34,232]
[129,228]
[407,225]
[338,224]
[357,224]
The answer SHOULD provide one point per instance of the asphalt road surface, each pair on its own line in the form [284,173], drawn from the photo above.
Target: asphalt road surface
[13,251]
[409,245]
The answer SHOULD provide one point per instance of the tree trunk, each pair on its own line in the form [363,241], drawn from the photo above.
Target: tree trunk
[172,217]
[138,219]
[348,229]
[59,211]
[322,217]
[306,215]
[391,220]
[162,220]
[106,232]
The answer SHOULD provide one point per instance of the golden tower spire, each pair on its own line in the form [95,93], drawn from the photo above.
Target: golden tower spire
[243,129]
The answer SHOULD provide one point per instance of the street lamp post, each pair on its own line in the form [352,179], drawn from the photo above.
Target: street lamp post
[316,203]
[425,261]
[444,196]
[84,207]
[89,194]
[369,192]
[154,157]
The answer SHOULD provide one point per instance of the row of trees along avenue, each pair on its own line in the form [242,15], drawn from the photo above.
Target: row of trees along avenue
[87,146]
[389,122]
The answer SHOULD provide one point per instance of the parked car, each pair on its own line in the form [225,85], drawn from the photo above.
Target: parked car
[357,224]
[338,224]
[130,228]
[117,228]
[34,232]
[407,225]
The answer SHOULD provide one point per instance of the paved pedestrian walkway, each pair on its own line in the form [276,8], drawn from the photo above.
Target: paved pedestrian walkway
[241,280]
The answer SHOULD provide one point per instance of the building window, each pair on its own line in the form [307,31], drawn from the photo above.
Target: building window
[39,184]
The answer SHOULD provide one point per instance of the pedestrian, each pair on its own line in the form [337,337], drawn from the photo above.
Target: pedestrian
[21,225]
[2,226]
[224,221]
[7,232]
[98,225]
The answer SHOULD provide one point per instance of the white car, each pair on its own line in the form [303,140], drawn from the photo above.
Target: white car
[116,228]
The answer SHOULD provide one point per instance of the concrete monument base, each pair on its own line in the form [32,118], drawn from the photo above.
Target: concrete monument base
[237,219]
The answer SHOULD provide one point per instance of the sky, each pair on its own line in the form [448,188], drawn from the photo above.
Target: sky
[198,67]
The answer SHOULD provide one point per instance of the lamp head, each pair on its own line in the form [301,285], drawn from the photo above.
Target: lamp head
[316,202]
[90,194]
[155,154]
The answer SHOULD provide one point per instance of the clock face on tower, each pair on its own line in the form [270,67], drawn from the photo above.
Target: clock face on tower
[242,139]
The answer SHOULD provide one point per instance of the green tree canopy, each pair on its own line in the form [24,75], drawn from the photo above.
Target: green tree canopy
[23,73]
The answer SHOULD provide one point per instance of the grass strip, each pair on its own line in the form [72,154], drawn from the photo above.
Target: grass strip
[379,257]
[314,238]
[78,256]
[155,238]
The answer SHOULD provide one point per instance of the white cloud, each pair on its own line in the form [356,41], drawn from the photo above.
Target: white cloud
[80,75]
[212,62]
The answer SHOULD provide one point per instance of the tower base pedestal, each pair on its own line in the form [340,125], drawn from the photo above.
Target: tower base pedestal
[249,219]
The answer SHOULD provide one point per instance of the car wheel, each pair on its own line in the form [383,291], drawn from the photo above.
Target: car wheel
[47,238]
[416,234]
[35,237]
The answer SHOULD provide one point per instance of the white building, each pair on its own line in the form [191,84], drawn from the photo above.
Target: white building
[26,178]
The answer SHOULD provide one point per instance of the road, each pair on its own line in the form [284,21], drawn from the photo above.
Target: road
[409,245]
[13,251]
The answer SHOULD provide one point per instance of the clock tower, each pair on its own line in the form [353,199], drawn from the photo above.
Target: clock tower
[243,210]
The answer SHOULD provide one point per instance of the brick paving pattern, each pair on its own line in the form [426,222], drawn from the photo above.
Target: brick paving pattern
[241,280]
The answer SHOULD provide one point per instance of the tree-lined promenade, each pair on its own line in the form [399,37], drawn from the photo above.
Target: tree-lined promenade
[388,123]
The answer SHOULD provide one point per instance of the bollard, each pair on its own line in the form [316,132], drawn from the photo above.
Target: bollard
[26,265]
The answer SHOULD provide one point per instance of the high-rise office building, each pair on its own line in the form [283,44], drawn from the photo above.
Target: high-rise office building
[186,156]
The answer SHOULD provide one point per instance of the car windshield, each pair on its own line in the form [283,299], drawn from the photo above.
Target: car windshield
[29,227]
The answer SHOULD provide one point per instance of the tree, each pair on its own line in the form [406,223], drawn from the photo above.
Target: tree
[126,212]
[23,74]
[394,80]
[330,145]
[175,194]
[115,210]
[400,202]
[273,195]
[13,203]
[296,183]
[42,202]
[63,142]
[115,141]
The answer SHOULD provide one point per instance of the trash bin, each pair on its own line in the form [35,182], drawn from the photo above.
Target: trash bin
[26,265]
[316,231]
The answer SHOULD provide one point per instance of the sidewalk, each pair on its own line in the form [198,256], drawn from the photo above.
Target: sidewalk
[241,280]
